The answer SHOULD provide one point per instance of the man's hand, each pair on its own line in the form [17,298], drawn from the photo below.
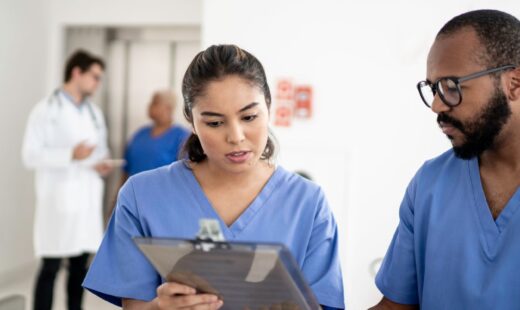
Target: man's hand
[82,151]
[103,168]
[387,304]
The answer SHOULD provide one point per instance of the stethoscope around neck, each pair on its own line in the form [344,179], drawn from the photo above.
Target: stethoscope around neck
[56,96]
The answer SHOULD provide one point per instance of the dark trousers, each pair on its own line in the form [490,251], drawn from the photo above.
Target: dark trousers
[44,288]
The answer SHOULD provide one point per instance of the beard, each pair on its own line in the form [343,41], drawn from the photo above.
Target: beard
[480,133]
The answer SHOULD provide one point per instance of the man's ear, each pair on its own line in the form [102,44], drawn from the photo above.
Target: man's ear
[75,73]
[513,87]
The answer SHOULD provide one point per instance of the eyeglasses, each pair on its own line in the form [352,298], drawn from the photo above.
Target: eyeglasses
[95,76]
[449,89]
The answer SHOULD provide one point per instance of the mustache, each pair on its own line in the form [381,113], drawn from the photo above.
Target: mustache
[445,118]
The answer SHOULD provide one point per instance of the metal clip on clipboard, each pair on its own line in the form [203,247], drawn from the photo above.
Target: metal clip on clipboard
[210,236]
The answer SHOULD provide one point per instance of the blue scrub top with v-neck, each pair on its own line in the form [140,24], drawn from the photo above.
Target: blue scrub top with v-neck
[168,202]
[448,252]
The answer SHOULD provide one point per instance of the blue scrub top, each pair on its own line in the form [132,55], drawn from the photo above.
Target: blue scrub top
[448,252]
[145,152]
[168,202]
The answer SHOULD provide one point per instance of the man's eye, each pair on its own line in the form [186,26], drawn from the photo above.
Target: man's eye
[449,86]
[450,91]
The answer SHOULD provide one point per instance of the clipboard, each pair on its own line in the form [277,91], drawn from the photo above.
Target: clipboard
[245,275]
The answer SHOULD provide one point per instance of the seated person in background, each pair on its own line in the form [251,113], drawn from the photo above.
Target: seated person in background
[228,175]
[157,144]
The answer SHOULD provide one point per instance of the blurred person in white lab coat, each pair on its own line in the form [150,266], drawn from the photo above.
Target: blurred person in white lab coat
[66,143]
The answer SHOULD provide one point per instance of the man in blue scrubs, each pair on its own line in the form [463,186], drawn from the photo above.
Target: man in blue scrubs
[157,144]
[457,245]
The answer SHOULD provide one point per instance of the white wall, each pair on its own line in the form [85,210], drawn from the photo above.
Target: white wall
[22,73]
[364,59]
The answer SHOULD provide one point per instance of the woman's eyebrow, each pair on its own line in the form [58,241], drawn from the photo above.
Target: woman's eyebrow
[247,107]
[209,113]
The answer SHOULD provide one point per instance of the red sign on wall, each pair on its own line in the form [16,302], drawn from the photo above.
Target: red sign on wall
[292,102]
[284,90]
[284,103]
[303,101]
[283,114]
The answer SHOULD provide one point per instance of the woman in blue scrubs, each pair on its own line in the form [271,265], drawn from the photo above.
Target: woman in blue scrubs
[229,176]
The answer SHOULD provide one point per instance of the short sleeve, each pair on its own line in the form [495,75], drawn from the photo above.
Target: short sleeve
[119,270]
[322,265]
[397,277]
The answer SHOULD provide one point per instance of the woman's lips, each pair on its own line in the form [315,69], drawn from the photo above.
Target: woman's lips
[238,157]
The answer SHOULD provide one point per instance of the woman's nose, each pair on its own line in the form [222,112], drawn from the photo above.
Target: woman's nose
[235,134]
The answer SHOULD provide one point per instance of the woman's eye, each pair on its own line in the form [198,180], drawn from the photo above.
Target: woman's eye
[249,118]
[214,124]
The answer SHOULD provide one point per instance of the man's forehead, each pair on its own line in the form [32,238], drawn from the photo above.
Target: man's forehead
[95,68]
[454,54]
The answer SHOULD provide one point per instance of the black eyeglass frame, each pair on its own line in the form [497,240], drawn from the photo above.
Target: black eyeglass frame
[456,80]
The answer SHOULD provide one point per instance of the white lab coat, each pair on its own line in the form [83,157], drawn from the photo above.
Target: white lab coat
[69,193]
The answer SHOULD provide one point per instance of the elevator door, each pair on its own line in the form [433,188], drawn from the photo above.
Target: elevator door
[138,70]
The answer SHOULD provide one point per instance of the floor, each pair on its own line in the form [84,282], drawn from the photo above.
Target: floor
[24,287]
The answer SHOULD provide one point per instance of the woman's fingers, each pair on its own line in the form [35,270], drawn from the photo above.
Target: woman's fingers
[188,301]
[173,288]
[210,306]
[172,295]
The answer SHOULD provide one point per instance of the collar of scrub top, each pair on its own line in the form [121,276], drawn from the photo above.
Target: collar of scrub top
[59,91]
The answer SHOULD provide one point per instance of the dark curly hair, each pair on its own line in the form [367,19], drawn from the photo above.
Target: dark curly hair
[212,64]
[498,32]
